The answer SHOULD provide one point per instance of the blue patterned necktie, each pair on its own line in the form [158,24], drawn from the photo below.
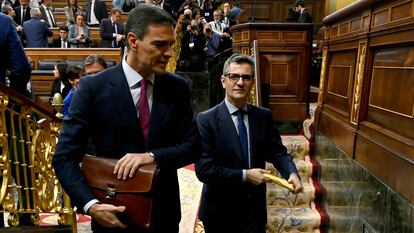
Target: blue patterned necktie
[243,136]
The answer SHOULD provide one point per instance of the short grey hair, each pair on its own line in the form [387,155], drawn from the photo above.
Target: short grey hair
[238,59]
[94,58]
[35,12]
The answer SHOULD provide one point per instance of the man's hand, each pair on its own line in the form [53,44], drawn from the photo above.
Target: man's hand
[255,176]
[105,214]
[297,184]
[119,37]
[128,165]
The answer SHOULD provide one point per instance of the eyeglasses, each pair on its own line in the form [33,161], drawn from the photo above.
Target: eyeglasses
[235,77]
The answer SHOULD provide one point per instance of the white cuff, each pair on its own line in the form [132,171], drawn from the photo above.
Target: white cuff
[244,175]
[89,204]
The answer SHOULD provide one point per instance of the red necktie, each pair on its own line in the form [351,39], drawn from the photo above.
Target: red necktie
[144,112]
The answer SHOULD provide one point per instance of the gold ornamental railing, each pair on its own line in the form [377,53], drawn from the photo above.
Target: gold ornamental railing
[29,187]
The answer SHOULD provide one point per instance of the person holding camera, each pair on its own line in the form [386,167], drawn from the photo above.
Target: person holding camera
[192,49]
[79,34]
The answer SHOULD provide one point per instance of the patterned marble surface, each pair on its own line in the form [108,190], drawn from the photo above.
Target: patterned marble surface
[356,199]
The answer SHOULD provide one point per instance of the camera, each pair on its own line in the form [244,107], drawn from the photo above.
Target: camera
[208,30]
[194,27]
[187,17]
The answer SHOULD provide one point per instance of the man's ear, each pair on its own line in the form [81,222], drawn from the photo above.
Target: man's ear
[223,79]
[132,40]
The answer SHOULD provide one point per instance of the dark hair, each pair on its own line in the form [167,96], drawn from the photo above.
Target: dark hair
[116,10]
[238,59]
[300,2]
[76,3]
[94,58]
[63,75]
[142,16]
[74,72]
[79,14]
[64,28]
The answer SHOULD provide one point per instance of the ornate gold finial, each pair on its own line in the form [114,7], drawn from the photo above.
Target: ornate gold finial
[358,82]
[322,79]
[57,104]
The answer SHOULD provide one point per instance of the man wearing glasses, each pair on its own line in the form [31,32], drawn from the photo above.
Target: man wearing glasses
[238,138]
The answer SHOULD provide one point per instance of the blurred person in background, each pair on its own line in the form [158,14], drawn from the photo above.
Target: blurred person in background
[74,76]
[71,10]
[112,31]
[80,34]
[61,82]
[14,65]
[36,31]
[47,13]
[22,12]
[62,40]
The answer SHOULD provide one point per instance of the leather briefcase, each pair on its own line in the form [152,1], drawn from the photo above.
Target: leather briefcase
[135,193]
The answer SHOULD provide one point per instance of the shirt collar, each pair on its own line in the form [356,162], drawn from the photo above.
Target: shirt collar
[232,109]
[132,76]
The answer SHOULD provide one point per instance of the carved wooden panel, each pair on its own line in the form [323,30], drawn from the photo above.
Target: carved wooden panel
[281,73]
[391,96]
[367,106]
[388,14]
[339,83]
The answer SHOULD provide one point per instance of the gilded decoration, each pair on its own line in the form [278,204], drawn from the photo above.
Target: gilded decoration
[358,83]
[29,185]
[323,72]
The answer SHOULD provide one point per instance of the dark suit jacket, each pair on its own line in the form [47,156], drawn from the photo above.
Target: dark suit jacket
[107,32]
[18,17]
[57,43]
[103,109]
[13,58]
[99,8]
[44,16]
[226,199]
[305,17]
[36,33]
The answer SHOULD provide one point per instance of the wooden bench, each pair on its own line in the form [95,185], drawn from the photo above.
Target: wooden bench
[42,81]
[95,33]
[82,3]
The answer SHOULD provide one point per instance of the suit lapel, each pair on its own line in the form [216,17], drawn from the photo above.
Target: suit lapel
[159,109]
[229,130]
[122,101]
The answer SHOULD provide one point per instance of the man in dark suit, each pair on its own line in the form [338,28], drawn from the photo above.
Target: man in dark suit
[22,12]
[304,15]
[238,138]
[13,61]
[112,32]
[163,131]
[62,40]
[47,13]
[36,31]
[95,11]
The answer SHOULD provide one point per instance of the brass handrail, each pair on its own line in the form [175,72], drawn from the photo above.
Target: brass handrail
[28,137]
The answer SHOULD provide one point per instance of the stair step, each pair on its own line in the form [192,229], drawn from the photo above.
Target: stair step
[297,145]
[276,196]
[338,193]
[293,220]
[339,169]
